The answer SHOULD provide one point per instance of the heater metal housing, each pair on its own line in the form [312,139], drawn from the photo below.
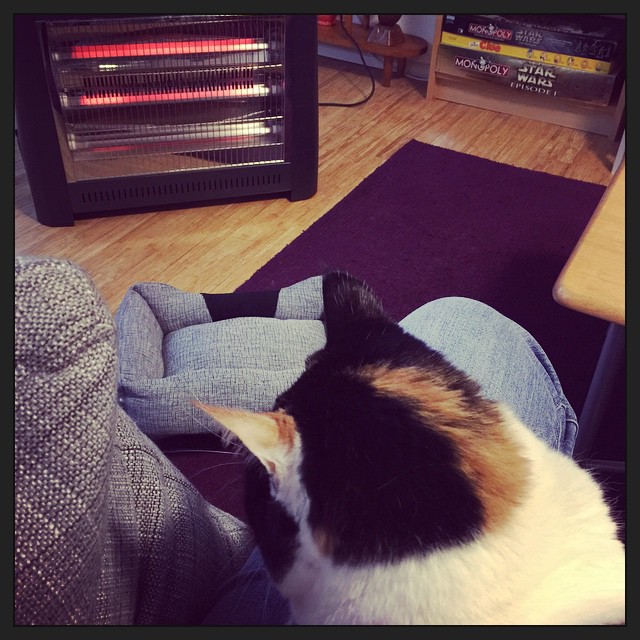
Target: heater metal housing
[119,114]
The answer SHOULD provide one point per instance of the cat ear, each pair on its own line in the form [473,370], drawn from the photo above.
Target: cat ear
[268,435]
[347,299]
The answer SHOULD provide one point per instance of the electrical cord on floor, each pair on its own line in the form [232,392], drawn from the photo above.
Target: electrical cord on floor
[366,66]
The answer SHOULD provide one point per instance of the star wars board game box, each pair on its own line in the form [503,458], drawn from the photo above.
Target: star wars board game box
[592,36]
[527,76]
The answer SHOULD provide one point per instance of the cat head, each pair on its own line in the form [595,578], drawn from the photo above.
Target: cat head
[378,451]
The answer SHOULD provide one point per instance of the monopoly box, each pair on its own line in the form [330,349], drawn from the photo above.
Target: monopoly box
[526,53]
[588,36]
[528,76]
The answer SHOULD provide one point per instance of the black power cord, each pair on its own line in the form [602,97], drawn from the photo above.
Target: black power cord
[366,66]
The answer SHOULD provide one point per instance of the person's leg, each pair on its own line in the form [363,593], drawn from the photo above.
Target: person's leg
[503,358]
[249,598]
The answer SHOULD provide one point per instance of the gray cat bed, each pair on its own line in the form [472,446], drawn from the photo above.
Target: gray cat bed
[237,349]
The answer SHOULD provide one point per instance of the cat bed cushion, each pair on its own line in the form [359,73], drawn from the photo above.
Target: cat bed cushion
[238,349]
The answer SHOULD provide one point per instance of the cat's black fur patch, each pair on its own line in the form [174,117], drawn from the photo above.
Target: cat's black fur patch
[274,529]
[382,484]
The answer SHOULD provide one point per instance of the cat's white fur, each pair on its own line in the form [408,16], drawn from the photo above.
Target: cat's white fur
[556,560]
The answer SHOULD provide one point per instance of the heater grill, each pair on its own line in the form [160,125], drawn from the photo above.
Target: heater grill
[148,92]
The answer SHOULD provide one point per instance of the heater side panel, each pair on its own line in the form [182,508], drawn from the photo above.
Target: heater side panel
[36,130]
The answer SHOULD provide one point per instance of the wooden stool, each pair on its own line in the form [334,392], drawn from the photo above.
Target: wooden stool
[411,47]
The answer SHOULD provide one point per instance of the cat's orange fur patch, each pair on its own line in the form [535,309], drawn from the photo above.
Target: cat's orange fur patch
[286,428]
[488,455]
[323,541]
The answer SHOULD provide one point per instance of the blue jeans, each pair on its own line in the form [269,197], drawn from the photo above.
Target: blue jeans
[509,365]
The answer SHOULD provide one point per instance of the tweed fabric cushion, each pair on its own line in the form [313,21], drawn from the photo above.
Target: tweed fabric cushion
[107,530]
[171,351]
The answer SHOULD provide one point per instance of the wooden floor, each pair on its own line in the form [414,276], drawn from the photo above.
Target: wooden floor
[216,248]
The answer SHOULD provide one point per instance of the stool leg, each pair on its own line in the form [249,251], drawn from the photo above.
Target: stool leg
[401,65]
[600,390]
[387,70]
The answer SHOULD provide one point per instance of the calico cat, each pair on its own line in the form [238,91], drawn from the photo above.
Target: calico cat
[383,488]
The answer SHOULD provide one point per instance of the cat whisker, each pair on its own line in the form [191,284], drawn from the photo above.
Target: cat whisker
[223,434]
[215,466]
[187,450]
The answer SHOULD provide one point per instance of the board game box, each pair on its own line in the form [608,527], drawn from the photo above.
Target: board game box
[526,53]
[591,36]
[529,76]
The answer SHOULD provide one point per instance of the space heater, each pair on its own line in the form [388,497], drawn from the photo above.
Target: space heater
[125,113]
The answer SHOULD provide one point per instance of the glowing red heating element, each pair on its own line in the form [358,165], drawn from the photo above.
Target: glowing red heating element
[166,96]
[178,47]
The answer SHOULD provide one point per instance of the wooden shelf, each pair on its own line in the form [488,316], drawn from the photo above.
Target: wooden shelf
[411,47]
[605,120]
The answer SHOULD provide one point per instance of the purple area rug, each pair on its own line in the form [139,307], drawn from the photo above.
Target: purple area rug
[430,222]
